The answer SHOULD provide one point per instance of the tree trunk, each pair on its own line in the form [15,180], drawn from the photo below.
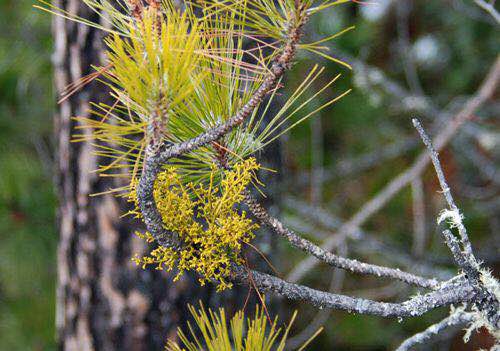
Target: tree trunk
[104,302]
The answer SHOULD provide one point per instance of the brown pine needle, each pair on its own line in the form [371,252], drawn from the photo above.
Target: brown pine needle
[252,282]
[265,259]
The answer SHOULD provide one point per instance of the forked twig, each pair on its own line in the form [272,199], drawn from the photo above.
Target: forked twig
[445,187]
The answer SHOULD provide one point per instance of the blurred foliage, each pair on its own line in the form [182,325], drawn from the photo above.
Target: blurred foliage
[453,53]
[27,202]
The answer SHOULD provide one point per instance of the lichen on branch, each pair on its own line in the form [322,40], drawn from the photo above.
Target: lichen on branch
[211,228]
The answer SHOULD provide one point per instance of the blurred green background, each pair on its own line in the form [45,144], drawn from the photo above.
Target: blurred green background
[451,43]
[27,202]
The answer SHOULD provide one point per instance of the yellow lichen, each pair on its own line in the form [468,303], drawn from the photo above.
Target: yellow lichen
[207,221]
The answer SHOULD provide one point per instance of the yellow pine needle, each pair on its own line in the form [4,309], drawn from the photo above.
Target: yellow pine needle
[331,37]
[325,5]
[332,101]
[278,118]
[242,333]
[329,58]
[308,341]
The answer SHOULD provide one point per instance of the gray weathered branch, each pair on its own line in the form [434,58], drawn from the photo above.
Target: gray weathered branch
[486,296]
[444,186]
[457,318]
[361,241]
[350,265]
[451,292]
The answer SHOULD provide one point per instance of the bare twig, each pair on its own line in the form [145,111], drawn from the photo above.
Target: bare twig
[350,265]
[486,299]
[489,6]
[445,188]
[419,230]
[361,241]
[457,318]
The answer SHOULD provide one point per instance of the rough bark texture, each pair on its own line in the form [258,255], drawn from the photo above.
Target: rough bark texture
[104,302]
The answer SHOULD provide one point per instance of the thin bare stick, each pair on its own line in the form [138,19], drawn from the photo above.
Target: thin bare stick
[350,265]
[490,8]
[361,241]
[457,217]
[457,318]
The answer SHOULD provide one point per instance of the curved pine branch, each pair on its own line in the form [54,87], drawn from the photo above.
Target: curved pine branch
[351,265]
[154,161]
[454,291]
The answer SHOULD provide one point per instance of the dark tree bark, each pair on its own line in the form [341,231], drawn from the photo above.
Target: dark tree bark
[104,302]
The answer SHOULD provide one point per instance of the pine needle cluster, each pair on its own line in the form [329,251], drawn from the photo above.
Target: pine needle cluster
[257,333]
[173,73]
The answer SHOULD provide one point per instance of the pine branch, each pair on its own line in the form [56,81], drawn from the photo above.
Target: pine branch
[351,265]
[154,162]
[451,292]
[471,290]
